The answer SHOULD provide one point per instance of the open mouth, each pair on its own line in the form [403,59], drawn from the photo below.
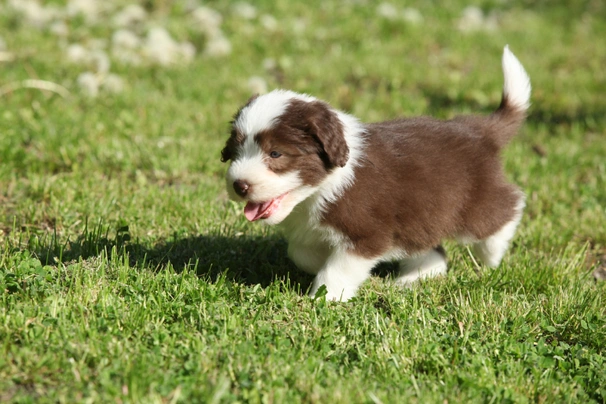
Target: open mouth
[255,211]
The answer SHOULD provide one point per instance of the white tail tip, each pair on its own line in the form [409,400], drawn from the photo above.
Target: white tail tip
[516,88]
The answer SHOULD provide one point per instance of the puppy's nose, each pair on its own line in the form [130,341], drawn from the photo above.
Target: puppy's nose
[241,188]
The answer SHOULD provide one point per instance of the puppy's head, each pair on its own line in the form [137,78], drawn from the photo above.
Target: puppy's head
[282,146]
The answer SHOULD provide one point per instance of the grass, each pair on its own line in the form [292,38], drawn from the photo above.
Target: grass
[127,276]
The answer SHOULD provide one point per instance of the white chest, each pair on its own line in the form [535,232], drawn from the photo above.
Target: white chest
[309,242]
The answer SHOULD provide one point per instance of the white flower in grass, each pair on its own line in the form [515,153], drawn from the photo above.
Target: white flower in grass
[113,83]
[412,15]
[387,10]
[217,46]
[87,8]
[126,47]
[77,54]
[96,59]
[245,10]
[89,84]
[97,43]
[160,46]
[5,56]
[127,57]
[189,5]
[257,85]
[299,26]
[59,28]
[162,49]
[100,61]
[187,51]
[129,16]
[269,64]
[269,22]
[125,39]
[34,13]
[473,19]
[208,20]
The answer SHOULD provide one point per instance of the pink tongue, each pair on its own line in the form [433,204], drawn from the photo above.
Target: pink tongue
[254,211]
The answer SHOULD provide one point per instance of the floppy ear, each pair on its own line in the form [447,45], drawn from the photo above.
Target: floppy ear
[226,154]
[228,151]
[252,98]
[327,129]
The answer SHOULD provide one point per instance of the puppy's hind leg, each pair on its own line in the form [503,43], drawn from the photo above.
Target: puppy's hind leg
[425,265]
[492,249]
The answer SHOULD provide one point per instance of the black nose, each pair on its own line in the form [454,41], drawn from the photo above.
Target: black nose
[241,188]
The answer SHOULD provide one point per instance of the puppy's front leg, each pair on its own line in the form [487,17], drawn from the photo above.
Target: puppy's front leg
[343,274]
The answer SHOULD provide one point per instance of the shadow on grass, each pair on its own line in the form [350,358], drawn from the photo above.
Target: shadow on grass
[248,260]
[242,259]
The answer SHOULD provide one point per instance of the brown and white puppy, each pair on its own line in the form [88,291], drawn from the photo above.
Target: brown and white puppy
[349,195]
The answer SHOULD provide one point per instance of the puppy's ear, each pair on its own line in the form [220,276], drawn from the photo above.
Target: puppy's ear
[226,154]
[328,130]
[228,151]
[252,98]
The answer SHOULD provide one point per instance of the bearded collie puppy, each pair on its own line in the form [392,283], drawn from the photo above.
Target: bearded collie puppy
[348,195]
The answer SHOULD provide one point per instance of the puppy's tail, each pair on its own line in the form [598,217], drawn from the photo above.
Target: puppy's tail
[515,102]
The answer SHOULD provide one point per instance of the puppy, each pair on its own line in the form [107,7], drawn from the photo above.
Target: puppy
[348,195]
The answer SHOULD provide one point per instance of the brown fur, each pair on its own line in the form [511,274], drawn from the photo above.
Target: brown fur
[422,180]
[309,137]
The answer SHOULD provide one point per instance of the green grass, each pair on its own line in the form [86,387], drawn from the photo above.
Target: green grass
[126,275]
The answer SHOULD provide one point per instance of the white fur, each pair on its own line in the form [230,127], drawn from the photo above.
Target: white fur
[516,87]
[309,242]
[294,198]
[492,249]
[250,167]
[426,265]
[314,248]
[260,115]
[262,112]
[342,274]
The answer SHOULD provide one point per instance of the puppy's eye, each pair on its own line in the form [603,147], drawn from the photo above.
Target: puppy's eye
[274,154]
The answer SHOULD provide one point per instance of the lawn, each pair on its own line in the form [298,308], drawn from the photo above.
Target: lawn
[126,274]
